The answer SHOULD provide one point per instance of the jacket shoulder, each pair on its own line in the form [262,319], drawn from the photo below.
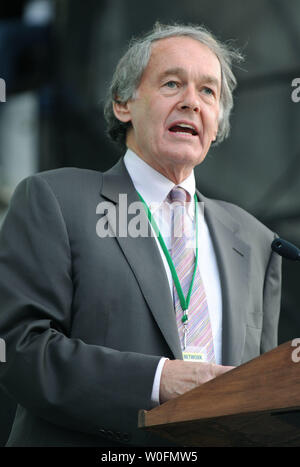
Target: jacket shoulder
[64,183]
[246,220]
[68,174]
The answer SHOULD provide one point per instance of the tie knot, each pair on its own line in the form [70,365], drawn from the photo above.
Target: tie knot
[178,194]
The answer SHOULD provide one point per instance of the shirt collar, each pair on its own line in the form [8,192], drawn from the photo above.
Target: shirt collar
[152,185]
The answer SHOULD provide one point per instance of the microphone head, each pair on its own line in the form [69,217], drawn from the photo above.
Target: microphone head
[286,249]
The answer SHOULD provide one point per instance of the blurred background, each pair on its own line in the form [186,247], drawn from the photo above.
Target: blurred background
[57,58]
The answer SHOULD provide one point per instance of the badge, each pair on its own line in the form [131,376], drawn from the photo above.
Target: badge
[194,354]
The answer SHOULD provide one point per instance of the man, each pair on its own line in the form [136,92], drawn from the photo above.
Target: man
[96,325]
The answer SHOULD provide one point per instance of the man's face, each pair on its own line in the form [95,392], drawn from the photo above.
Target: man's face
[175,113]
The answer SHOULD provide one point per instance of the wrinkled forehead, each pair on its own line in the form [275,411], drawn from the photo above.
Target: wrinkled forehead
[190,57]
[183,51]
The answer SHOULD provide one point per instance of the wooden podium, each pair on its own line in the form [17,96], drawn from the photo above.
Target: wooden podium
[255,404]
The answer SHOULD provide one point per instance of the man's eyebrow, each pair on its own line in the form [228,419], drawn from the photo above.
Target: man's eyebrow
[210,79]
[172,71]
[181,71]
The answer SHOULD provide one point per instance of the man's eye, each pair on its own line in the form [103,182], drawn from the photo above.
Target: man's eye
[171,84]
[208,91]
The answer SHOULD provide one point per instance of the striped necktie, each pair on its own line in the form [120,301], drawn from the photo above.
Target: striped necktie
[199,338]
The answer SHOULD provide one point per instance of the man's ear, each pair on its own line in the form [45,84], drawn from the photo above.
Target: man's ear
[121,111]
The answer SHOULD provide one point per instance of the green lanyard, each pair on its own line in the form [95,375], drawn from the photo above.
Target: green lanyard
[184,302]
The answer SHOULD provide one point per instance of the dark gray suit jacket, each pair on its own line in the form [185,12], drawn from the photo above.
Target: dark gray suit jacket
[87,319]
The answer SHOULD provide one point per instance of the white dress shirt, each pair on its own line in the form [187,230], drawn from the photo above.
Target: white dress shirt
[154,188]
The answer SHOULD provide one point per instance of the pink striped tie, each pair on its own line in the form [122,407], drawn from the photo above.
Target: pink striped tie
[199,328]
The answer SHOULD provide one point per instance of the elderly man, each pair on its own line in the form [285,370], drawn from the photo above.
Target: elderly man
[99,324]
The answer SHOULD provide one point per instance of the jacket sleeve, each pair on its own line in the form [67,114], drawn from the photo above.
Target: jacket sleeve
[271,303]
[61,379]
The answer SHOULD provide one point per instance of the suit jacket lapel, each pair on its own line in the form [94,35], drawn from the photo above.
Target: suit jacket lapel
[143,256]
[233,258]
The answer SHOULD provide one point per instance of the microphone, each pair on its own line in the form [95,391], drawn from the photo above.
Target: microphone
[286,249]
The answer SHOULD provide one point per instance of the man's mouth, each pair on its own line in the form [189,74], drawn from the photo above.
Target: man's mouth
[183,128]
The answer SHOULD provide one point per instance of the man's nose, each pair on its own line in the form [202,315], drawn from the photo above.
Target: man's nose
[190,100]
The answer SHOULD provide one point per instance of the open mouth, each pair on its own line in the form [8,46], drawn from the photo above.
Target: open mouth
[184,129]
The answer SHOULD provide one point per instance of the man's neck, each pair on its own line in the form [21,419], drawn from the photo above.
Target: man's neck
[176,173]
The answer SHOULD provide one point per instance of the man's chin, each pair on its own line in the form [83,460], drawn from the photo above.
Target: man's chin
[189,159]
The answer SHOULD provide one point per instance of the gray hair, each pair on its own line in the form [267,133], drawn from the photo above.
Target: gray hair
[131,66]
